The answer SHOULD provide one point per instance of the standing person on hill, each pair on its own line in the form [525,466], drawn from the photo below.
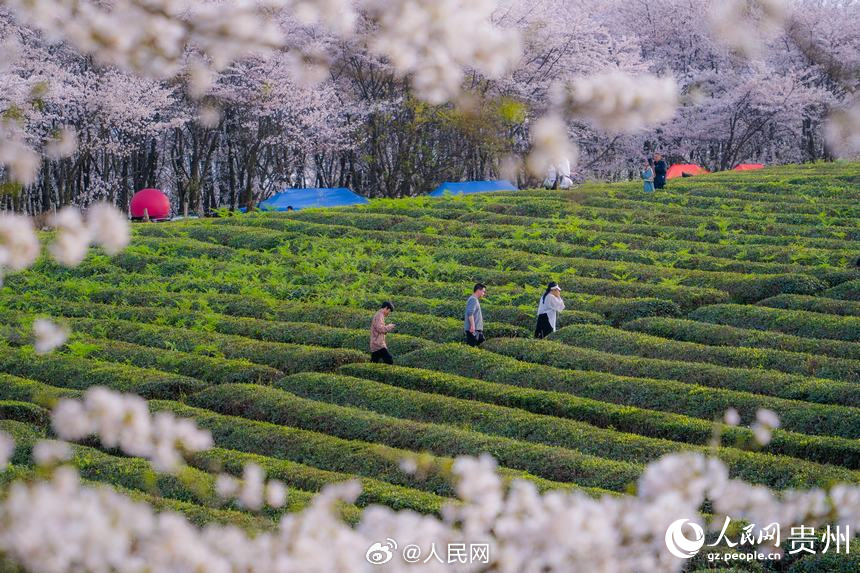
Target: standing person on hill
[474,322]
[647,174]
[660,169]
[548,308]
[378,329]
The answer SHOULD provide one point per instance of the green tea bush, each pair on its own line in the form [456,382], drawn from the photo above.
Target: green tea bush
[666,395]
[849,290]
[812,304]
[279,407]
[81,373]
[287,358]
[626,342]
[757,381]
[823,449]
[794,322]
[331,453]
[721,335]
[308,478]
[23,412]
[209,369]
[519,425]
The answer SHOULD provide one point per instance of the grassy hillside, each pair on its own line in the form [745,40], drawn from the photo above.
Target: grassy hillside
[727,290]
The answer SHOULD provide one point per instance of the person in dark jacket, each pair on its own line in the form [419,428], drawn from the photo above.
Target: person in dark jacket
[660,168]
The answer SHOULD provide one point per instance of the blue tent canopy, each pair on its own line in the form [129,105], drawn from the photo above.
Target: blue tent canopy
[467,187]
[307,198]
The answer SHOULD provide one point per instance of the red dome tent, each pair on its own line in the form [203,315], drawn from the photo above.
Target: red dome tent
[748,166]
[680,169]
[156,204]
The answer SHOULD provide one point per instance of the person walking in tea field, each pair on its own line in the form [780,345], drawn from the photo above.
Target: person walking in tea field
[378,329]
[549,306]
[647,174]
[660,169]
[474,320]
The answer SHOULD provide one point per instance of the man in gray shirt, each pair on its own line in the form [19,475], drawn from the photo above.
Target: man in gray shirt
[474,321]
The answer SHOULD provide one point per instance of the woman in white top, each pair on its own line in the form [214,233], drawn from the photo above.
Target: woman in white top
[548,308]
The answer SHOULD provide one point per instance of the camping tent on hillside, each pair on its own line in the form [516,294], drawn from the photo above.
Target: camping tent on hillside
[748,166]
[685,169]
[467,187]
[308,198]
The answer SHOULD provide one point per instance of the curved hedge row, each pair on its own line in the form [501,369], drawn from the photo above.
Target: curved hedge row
[33,391]
[335,454]
[722,335]
[463,277]
[517,424]
[280,321]
[665,395]
[81,373]
[654,423]
[188,485]
[587,240]
[312,479]
[23,412]
[491,227]
[812,304]
[503,303]
[741,287]
[276,406]
[289,358]
[299,477]
[205,368]
[196,514]
[765,382]
[849,290]
[627,342]
[804,215]
[308,333]
[622,205]
[607,252]
[794,322]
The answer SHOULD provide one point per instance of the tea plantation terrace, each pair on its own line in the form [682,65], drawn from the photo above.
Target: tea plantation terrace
[733,290]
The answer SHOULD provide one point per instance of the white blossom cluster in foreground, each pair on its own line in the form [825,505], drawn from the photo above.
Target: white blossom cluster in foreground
[843,130]
[60,525]
[123,421]
[551,145]
[252,491]
[151,36]
[615,101]
[433,42]
[16,154]
[745,25]
[48,336]
[105,226]
[621,102]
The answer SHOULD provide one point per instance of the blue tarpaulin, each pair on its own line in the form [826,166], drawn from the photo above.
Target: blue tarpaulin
[307,198]
[467,187]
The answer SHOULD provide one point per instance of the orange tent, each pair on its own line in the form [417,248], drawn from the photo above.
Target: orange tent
[688,168]
[748,166]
